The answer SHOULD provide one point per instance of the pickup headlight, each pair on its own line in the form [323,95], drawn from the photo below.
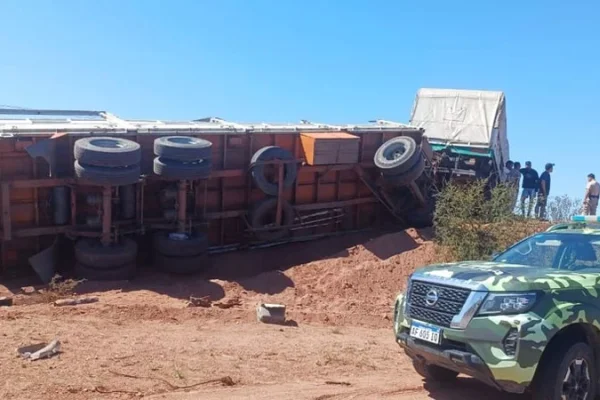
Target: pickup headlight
[507,303]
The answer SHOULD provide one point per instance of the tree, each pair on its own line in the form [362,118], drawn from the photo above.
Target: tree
[562,208]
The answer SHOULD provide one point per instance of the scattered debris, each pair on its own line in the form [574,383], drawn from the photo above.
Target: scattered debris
[200,301]
[271,313]
[338,383]
[74,302]
[232,302]
[28,290]
[225,381]
[40,350]
[6,301]
[103,390]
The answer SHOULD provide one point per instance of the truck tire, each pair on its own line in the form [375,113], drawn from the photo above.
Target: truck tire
[122,273]
[433,373]
[271,153]
[407,177]
[178,170]
[182,265]
[167,245]
[183,148]
[107,152]
[556,376]
[108,175]
[397,155]
[264,214]
[93,254]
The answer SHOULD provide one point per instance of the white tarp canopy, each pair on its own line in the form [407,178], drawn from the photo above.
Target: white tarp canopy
[470,118]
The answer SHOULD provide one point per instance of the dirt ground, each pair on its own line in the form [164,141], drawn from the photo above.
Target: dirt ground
[141,340]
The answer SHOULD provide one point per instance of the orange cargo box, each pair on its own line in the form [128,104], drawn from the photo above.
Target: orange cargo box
[321,148]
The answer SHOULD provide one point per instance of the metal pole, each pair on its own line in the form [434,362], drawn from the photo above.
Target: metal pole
[106,214]
[182,206]
[280,170]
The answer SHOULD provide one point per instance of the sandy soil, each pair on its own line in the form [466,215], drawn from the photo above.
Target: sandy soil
[141,340]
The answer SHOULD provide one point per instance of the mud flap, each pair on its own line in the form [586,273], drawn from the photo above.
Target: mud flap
[44,262]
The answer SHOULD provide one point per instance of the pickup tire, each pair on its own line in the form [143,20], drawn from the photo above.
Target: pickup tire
[433,373]
[572,366]
[107,152]
[397,155]
[183,148]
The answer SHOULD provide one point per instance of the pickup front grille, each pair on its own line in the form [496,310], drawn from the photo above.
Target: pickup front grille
[450,301]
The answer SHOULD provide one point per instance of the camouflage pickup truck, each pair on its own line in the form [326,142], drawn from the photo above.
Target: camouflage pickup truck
[528,321]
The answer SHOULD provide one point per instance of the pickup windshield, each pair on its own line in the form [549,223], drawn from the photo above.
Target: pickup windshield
[565,251]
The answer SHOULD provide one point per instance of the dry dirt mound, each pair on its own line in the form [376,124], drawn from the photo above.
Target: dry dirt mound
[348,280]
[359,281]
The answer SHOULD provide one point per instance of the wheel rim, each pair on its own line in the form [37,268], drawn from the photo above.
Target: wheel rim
[395,152]
[576,384]
[107,143]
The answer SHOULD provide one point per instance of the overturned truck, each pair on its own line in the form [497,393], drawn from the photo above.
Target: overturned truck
[111,194]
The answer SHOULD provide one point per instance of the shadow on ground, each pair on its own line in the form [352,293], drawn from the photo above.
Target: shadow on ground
[259,270]
[468,388]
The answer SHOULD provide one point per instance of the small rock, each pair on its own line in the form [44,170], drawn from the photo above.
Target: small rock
[6,301]
[28,290]
[271,313]
[386,317]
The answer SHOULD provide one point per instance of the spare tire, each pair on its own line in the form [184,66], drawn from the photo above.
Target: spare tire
[92,253]
[397,155]
[107,152]
[271,153]
[169,244]
[182,265]
[183,148]
[264,215]
[117,176]
[407,177]
[178,170]
[122,273]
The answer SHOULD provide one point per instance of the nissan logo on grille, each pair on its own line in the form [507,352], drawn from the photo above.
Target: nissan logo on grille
[431,297]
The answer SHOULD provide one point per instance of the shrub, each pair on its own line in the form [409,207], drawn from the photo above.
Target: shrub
[472,228]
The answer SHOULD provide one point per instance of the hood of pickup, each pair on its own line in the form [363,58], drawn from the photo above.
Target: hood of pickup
[501,277]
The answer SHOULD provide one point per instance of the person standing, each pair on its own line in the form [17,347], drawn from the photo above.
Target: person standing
[592,193]
[543,192]
[530,182]
[513,176]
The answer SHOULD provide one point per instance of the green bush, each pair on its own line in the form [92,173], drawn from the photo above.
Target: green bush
[472,228]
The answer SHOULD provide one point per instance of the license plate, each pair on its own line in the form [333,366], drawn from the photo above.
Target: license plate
[425,332]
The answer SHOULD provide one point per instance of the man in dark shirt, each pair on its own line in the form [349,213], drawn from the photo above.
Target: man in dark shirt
[530,185]
[543,192]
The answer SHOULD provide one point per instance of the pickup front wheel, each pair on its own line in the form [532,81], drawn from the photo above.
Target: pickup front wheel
[433,373]
[571,375]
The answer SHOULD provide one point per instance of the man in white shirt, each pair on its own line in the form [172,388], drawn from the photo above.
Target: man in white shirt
[592,193]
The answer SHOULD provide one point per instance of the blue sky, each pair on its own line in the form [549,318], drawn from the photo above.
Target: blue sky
[330,61]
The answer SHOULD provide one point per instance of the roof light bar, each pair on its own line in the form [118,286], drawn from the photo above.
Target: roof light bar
[585,218]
